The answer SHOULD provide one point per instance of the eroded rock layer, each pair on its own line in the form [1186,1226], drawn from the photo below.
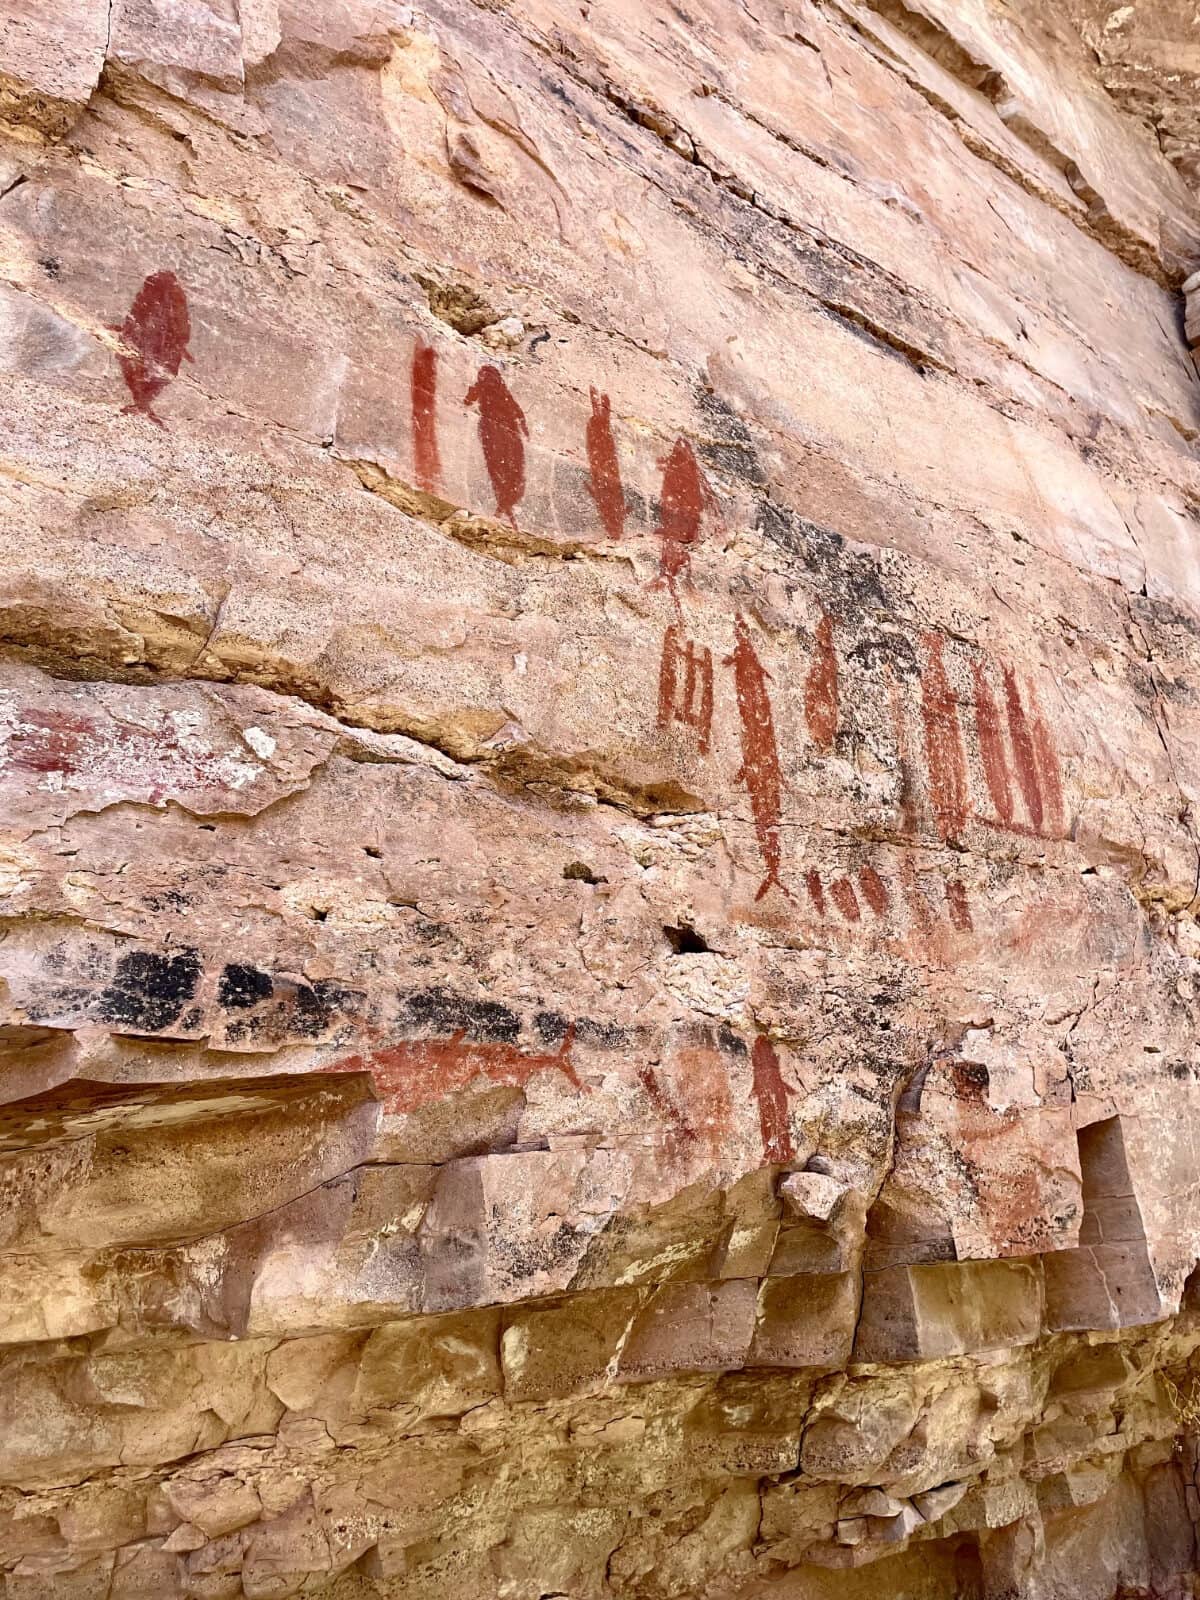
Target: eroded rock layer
[600,740]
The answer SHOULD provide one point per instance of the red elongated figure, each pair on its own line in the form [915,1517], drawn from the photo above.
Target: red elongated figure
[502,434]
[154,339]
[685,497]
[760,755]
[604,469]
[991,745]
[1024,752]
[947,763]
[771,1093]
[821,689]
[423,390]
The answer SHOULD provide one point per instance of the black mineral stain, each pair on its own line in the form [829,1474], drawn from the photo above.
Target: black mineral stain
[732,1043]
[443,1011]
[728,445]
[148,991]
[850,582]
[242,987]
[551,1027]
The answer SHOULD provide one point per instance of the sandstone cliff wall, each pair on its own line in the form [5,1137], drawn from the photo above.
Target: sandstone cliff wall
[599,741]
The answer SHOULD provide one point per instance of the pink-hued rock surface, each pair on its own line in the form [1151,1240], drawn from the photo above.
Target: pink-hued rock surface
[599,800]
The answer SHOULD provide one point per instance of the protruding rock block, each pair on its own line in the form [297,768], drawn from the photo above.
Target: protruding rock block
[692,1327]
[51,57]
[805,1320]
[921,1313]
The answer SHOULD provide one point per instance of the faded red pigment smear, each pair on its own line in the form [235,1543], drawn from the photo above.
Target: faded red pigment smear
[52,741]
[821,689]
[842,893]
[816,890]
[959,907]
[943,744]
[154,339]
[874,891]
[991,745]
[771,1094]
[908,811]
[685,685]
[418,1071]
[427,461]
[603,467]
[918,906]
[666,1109]
[684,498]
[502,434]
[1047,762]
[760,755]
[1024,757]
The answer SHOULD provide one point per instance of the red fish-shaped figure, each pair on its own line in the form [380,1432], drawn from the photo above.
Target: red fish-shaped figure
[603,467]
[154,340]
[760,756]
[502,434]
[685,497]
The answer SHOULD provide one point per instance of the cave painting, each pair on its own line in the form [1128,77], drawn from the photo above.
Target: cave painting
[502,434]
[873,894]
[685,685]
[604,470]
[154,341]
[875,891]
[682,503]
[760,770]
[841,892]
[423,386]
[680,1131]
[1034,762]
[770,1092]
[821,689]
[945,759]
[418,1071]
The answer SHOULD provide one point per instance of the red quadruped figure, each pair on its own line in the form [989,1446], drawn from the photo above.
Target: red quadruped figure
[154,339]
[760,755]
[685,497]
[502,434]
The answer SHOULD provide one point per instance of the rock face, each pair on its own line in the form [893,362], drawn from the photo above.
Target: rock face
[600,751]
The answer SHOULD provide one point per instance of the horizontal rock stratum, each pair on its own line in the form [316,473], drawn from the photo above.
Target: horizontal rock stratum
[599,765]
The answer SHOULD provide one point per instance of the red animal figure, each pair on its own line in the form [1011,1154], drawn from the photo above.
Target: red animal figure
[771,1093]
[154,340]
[685,497]
[604,468]
[412,1074]
[423,389]
[502,434]
[760,756]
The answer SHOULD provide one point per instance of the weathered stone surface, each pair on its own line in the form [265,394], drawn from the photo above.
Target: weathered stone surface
[599,975]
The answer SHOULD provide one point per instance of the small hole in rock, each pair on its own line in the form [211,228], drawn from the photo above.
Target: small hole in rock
[320,913]
[685,941]
[373,850]
[582,872]
[208,827]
